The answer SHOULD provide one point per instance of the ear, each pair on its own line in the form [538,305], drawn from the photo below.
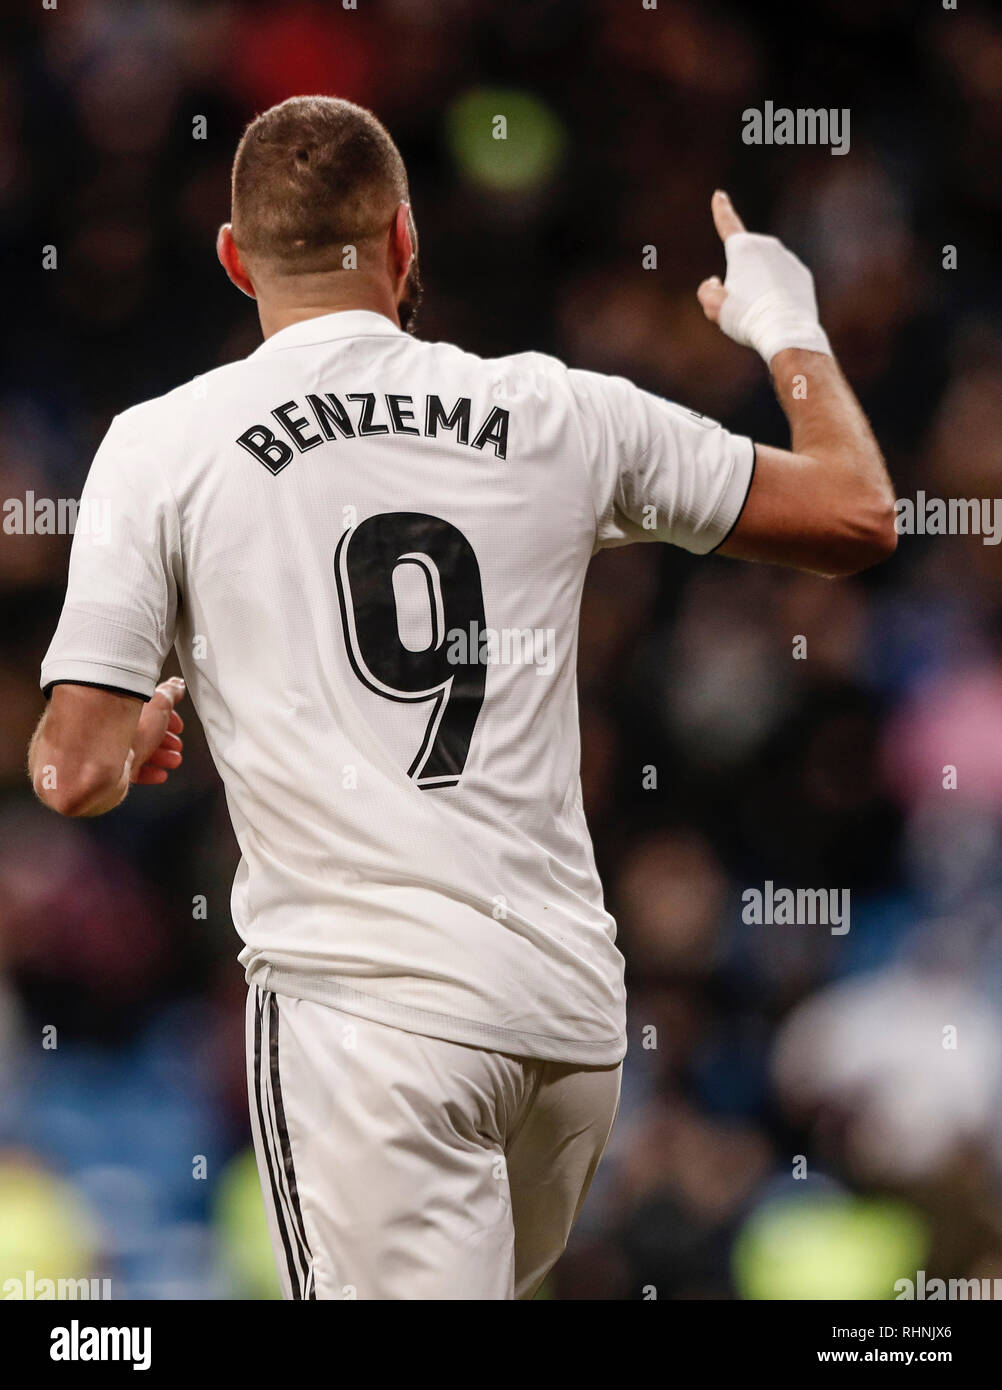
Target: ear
[229,259]
[403,240]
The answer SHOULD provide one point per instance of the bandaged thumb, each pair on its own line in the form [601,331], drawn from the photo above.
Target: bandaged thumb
[770,303]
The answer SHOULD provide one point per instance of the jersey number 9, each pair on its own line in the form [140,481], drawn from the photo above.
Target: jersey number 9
[375,559]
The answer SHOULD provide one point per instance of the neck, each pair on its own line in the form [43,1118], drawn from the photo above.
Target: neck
[302,301]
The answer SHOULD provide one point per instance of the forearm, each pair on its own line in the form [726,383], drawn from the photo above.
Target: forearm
[827,423]
[73,784]
[826,505]
[92,744]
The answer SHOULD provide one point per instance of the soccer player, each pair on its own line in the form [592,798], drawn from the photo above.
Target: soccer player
[369,552]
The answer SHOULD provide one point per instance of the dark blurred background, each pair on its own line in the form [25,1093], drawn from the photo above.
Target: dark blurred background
[792,1123]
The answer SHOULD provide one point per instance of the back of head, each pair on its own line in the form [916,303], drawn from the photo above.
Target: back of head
[311,177]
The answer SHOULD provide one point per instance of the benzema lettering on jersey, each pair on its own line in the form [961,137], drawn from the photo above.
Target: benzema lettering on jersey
[333,420]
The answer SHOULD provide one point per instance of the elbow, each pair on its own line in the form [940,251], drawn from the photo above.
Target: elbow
[868,536]
[876,537]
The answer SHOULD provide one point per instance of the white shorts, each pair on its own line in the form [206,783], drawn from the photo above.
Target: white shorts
[398,1166]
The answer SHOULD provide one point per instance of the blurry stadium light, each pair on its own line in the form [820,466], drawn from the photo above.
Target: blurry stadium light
[242,1230]
[814,1247]
[46,1230]
[505,140]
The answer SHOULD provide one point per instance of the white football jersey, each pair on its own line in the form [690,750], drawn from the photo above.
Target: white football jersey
[369,551]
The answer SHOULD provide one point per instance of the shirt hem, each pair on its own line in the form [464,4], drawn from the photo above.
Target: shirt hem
[450,1028]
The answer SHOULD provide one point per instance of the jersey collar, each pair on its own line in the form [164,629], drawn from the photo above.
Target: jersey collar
[345,323]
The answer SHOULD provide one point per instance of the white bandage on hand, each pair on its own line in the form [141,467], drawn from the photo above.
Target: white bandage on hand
[770,303]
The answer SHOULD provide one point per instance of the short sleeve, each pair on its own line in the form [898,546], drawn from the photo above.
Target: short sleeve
[659,472]
[120,610]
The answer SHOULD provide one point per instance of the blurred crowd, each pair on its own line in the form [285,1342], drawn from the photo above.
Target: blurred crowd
[803,1112]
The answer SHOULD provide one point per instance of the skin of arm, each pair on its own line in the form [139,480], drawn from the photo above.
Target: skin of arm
[826,505]
[91,745]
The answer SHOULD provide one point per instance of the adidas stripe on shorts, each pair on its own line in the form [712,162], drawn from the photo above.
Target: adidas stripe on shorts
[399,1166]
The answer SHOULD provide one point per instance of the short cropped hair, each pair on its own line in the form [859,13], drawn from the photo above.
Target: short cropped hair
[311,176]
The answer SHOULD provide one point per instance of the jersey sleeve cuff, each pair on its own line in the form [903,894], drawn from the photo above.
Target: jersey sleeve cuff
[732,504]
[96,673]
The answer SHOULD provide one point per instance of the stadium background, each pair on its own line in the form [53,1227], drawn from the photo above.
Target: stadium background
[123,1150]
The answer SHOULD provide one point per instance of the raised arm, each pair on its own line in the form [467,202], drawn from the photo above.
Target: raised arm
[827,505]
